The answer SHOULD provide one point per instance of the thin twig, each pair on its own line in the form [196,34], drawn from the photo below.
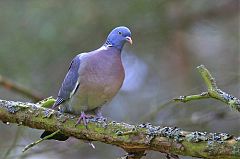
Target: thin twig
[39,141]
[213,91]
[13,86]
[152,115]
[14,143]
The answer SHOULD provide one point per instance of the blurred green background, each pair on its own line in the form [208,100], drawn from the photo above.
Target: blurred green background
[171,38]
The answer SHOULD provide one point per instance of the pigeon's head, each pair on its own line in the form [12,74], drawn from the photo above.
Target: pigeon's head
[118,37]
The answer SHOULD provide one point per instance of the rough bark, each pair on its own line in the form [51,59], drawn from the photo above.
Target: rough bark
[135,139]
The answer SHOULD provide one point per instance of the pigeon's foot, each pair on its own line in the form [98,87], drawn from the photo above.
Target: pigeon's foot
[83,117]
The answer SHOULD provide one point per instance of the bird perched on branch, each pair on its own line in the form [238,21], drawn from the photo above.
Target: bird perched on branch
[93,79]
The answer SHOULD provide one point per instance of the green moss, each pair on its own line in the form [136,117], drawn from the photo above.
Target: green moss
[47,103]
[236,148]
[194,149]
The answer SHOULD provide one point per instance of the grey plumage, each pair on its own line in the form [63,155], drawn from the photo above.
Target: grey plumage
[70,82]
[93,78]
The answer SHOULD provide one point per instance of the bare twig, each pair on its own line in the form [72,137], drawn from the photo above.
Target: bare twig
[15,140]
[39,141]
[153,113]
[13,86]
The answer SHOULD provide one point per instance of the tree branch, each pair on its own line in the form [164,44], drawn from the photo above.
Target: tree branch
[13,86]
[39,141]
[135,139]
[213,91]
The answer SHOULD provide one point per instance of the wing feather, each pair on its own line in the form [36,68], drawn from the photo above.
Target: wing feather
[70,82]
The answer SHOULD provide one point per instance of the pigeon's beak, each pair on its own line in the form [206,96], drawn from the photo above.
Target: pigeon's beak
[129,39]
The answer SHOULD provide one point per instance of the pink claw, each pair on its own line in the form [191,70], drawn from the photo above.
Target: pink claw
[83,117]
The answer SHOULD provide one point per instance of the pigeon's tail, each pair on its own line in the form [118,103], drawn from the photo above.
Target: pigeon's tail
[58,136]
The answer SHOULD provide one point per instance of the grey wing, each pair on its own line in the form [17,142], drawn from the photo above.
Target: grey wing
[70,83]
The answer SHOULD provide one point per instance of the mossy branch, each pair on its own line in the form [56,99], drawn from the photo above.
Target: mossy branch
[135,139]
[212,91]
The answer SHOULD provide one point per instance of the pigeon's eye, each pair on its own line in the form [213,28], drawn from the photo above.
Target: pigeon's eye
[120,33]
